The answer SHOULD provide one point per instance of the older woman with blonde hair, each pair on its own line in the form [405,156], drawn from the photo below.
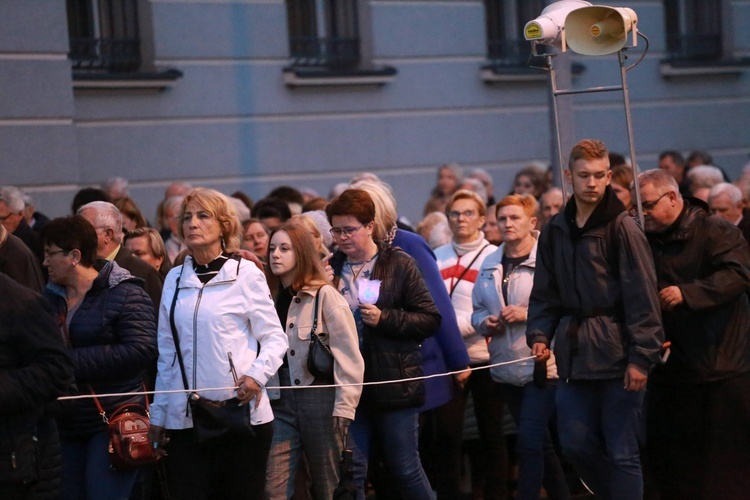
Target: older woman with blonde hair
[216,307]
[500,303]
[146,244]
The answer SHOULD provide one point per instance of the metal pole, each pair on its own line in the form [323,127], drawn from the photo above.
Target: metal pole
[556,118]
[628,121]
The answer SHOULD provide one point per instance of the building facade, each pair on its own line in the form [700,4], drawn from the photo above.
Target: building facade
[250,94]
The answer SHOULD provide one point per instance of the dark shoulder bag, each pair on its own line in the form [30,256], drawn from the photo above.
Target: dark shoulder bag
[211,419]
[319,355]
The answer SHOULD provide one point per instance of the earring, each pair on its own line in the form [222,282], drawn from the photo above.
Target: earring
[75,263]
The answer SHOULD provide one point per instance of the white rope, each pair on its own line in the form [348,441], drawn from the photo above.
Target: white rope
[396,381]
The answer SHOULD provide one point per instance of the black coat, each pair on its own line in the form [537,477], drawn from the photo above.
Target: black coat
[112,341]
[391,349]
[601,278]
[709,260]
[34,370]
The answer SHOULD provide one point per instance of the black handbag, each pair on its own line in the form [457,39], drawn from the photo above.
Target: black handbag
[319,355]
[211,419]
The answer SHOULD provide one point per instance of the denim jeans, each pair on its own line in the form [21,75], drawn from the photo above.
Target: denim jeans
[397,431]
[598,422]
[86,471]
[532,408]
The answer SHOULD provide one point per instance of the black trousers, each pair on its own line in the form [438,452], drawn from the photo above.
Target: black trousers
[698,440]
[231,468]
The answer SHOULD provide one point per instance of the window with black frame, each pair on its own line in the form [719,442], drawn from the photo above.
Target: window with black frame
[694,30]
[323,33]
[104,35]
[505,20]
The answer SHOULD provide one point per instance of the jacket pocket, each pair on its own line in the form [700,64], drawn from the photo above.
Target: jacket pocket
[19,458]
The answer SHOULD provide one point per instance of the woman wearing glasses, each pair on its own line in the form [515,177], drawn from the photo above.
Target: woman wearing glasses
[459,263]
[107,321]
[391,322]
[501,300]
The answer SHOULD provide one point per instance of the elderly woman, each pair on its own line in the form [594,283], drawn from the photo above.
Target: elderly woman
[459,263]
[500,302]
[108,323]
[218,307]
[146,244]
[312,422]
[394,312]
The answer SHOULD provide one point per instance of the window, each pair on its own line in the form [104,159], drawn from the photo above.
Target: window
[694,30]
[104,35]
[505,20]
[329,44]
[324,33]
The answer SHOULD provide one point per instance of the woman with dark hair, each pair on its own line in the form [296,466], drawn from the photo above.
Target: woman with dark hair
[394,312]
[108,323]
[530,180]
[312,422]
[450,176]
[219,308]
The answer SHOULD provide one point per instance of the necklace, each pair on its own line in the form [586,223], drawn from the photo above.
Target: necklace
[362,266]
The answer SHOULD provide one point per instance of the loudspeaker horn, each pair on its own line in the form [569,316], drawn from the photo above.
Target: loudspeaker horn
[599,30]
[547,29]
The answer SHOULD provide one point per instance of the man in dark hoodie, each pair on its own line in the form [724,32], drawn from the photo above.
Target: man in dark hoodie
[595,294]
[698,402]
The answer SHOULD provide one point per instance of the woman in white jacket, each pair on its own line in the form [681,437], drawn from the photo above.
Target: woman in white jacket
[225,322]
[313,422]
[500,302]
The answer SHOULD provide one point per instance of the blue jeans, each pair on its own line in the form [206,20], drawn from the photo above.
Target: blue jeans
[598,422]
[532,408]
[398,433]
[86,471]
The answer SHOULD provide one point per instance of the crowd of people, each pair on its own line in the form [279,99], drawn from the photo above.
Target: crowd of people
[621,353]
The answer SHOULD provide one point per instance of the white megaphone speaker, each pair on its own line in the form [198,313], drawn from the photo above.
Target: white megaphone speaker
[600,30]
[547,29]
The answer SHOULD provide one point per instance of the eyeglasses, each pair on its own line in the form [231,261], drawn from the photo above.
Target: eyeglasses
[337,232]
[6,217]
[468,214]
[47,254]
[648,206]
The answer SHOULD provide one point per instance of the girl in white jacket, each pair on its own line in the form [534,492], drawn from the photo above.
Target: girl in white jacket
[500,301]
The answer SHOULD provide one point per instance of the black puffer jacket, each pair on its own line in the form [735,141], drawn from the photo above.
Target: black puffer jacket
[709,260]
[595,294]
[112,340]
[391,349]
[34,370]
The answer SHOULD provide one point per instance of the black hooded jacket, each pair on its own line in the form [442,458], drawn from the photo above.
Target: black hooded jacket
[595,293]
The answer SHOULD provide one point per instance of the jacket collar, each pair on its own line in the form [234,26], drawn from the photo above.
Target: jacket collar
[496,257]
[227,274]
[608,209]
[110,275]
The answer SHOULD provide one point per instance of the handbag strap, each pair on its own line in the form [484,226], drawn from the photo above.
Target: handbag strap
[101,409]
[315,318]
[176,337]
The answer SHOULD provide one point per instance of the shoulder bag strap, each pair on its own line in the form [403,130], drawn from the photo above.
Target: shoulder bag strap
[466,269]
[175,337]
[315,314]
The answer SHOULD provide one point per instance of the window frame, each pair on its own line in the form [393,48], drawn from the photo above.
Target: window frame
[94,66]
[685,53]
